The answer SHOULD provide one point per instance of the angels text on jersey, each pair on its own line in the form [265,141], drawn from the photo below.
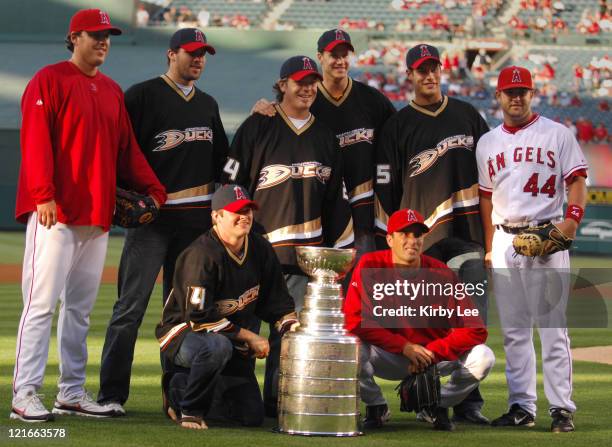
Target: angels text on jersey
[528,156]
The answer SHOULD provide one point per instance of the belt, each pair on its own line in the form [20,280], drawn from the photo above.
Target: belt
[517,230]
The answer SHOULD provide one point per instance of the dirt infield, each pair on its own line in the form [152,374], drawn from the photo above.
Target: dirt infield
[11,274]
[597,354]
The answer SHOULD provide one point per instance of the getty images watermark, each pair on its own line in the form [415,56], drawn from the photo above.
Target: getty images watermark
[513,298]
[423,292]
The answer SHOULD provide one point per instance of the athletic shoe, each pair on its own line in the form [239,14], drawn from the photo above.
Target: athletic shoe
[30,408]
[562,420]
[116,407]
[517,416]
[425,416]
[85,405]
[470,417]
[376,416]
[441,420]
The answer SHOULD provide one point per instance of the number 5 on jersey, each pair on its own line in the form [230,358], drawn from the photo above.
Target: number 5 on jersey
[383,174]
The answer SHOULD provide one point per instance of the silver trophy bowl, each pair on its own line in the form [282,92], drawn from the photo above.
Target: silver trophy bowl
[322,263]
[318,386]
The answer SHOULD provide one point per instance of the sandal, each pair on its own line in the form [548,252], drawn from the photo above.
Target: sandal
[193,419]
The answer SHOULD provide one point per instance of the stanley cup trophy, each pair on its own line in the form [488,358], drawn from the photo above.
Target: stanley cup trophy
[319,363]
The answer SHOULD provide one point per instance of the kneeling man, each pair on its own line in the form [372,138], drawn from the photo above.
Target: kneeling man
[223,282]
[457,348]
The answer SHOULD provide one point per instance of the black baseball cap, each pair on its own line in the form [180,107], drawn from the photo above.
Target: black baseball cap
[298,67]
[332,38]
[420,53]
[232,198]
[190,39]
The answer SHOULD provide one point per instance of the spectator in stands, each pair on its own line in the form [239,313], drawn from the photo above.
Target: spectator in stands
[482,64]
[558,6]
[185,16]
[547,73]
[519,26]
[203,18]
[541,23]
[603,106]
[601,133]
[403,25]
[142,16]
[240,21]
[578,76]
[564,99]
[575,101]
[559,26]
[603,7]
[585,130]
[587,77]
[588,24]
[170,15]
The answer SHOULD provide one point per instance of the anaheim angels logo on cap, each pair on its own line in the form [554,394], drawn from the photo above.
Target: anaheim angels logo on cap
[104,18]
[307,64]
[405,218]
[198,36]
[340,35]
[514,77]
[239,194]
[425,51]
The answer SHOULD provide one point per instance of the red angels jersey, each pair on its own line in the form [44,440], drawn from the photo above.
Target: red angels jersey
[524,170]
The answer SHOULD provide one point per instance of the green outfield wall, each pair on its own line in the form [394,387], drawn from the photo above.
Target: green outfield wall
[9,170]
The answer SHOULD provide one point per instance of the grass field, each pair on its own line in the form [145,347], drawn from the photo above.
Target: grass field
[146,426]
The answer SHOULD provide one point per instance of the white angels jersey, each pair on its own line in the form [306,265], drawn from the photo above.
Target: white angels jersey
[524,170]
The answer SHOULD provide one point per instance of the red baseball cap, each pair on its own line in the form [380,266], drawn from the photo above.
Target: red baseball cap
[92,20]
[514,77]
[402,219]
[232,198]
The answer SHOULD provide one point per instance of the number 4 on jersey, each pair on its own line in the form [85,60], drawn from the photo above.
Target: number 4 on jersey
[231,168]
[547,188]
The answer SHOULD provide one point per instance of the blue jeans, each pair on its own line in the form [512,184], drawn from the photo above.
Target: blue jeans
[236,392]
[205,355]
[145,251]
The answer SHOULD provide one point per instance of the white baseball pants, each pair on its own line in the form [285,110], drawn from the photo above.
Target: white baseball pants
[533,291]
[64,262]
[465,373]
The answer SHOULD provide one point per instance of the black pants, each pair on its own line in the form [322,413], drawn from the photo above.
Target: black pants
[145,251]
[466,258]
[220,385]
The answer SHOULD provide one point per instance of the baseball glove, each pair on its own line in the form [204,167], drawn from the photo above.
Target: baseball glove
[133,209]
[421,391]
[541,240]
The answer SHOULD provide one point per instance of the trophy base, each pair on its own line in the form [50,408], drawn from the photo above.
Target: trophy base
[319,434]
